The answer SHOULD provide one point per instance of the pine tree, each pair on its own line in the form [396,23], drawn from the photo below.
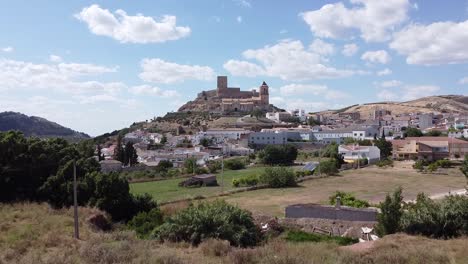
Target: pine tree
[119,151]
[130,155]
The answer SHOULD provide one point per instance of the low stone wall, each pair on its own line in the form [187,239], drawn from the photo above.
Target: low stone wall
[335,227]
[331,212]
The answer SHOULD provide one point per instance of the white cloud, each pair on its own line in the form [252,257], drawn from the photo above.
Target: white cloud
[387,95]
[55,58]
[384,72]
[153,91]
[243,68]
[288,60]
[350,49]
[413,92]
[283,31]
[133,29]
[243,3]
[62,77]
[392,83]
[433,44]
[160,71]
[378,56]
[373,19]
[463,80]
[321,47]
[239,19]
[408,92]
[8,49]
[312,89]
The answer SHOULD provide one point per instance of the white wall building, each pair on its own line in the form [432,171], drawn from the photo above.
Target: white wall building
[351,153]
[268,138]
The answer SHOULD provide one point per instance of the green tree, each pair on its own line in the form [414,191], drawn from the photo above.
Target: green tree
[164,165]
[257,113]
[234,164]
[433,133]
[130,155]
[389,219]
[163,140]
[190,165]
[278,154]
[328,167]
[119,153]
[278,177]
[99,153]
[464,167]
[385,147]
[206,142]
[145,222]
[218,220]
[413,132]
[348,199]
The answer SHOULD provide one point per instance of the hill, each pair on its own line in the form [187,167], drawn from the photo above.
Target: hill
[37,126]
[440,103]
[35,233]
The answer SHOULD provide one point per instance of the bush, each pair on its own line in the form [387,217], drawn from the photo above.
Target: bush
[385,163]
[201,170]
[443,219]
[215,248]
[251,180]
[234,164]
[443,163]
[145,222]
[303,173]
[432,167]
[301,236]
[391,212]
[218,220]
[328,167]
[348,199]
[418,165]
[214,166]
[278,154]
[278,177]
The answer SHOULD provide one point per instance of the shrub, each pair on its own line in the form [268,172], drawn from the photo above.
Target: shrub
[251,180]
[303,173]
[214,166]
[218,220]
[234,164]
[384,163]
[328,167]
[432,167]
[278,155]
[278,177]
[201,171]
[442,219]
[443,163]
[301,236]
[348,199]
[419,165]
[145,222]
[390,216]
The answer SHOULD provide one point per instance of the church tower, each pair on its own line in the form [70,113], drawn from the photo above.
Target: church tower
[264,97]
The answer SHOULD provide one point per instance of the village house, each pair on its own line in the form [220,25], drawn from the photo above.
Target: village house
[353,153]
[429,148]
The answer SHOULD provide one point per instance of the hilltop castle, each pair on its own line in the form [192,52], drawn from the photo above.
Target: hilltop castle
[225,99]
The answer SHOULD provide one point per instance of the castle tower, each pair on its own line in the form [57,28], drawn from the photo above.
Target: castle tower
[222,85]
[264,96]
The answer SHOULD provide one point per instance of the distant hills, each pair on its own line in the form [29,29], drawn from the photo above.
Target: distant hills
[37,126]
[438,103]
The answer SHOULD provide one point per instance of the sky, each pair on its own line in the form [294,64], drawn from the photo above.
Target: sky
[97,66]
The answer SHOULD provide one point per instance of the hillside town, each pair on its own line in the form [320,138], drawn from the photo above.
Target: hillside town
[441,134]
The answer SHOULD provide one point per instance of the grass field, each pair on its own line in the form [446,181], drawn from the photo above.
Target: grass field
[371,183]
[168,190]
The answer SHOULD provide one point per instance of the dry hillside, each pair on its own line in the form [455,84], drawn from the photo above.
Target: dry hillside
[441,103]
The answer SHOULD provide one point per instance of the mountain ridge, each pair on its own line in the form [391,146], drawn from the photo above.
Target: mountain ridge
[37,126]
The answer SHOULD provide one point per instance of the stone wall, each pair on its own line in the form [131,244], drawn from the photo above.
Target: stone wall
[331,212]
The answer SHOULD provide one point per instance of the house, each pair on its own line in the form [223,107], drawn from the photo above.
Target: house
[278,117]
[352,153]
[429,148]
[268,138]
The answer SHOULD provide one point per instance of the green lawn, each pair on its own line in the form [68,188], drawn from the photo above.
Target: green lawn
[168,190]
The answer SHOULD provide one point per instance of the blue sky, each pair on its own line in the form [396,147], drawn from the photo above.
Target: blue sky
[96,66]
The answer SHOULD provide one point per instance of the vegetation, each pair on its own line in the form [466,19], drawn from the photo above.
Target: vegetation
[391,212]
[348,199]
[42,170]
[328,167]
[234,164]
[218,220]
[385,163]
[278,155]
[464,167]
[278,177]
[413,132]
[301,236]
[145,222]
[190,165]
[363,142]
[251,180]
[206,142]
[385,147]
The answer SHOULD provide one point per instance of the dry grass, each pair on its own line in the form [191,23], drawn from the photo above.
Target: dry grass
[32,233]
[371,183]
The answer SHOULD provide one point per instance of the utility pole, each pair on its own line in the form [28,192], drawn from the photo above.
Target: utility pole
[320,160]
[75,203]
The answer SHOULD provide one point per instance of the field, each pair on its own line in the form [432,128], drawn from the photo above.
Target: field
[34,233]
[371,183]
[168,190]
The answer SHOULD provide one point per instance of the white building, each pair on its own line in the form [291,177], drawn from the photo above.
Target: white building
[459,134]
[351,153]
[268,138]
[299,113]
[220,134]
[278,117]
